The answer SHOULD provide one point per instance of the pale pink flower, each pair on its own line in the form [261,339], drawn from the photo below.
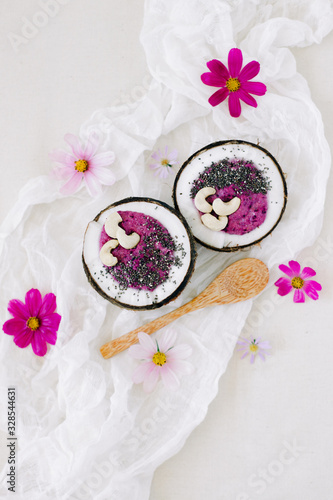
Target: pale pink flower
[160,359]
[164,162]
[83,164]
[254,347]
[298,281]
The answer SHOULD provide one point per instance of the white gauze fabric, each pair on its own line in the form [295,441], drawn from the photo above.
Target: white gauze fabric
[84,430]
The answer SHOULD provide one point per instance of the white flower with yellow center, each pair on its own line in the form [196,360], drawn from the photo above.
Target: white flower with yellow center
[160,358]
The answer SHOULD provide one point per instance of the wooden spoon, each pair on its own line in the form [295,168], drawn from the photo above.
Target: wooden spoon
[240,281]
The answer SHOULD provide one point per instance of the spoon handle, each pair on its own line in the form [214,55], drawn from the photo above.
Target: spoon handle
[121,343]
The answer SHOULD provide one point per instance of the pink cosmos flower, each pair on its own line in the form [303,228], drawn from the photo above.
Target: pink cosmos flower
[34,321]
[164,162]
[233,82]
[83,163]
[254,347]
[299,281]
[160,359]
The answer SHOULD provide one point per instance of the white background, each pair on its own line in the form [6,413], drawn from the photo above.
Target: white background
[269,432]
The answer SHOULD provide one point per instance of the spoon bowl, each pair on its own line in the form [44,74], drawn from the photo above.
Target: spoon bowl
[240,281]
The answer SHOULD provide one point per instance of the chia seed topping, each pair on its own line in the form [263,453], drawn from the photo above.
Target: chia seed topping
[147,265]
[239,173]
[241,178]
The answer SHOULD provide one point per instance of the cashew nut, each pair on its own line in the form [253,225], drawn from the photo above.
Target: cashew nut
[105,253]
[200,199]
[213,223]
[127,240]
[226,207]
[111,224]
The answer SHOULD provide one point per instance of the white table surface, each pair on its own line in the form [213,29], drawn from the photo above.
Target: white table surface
[269,432]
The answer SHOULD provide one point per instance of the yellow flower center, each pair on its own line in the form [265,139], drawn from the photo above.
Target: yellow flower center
[33,323]
[233,84]
[297,282]
[81,165]
[165,162]
[159,358]
[253,347]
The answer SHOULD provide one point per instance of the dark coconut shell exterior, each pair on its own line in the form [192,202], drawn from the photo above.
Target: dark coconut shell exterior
[222,143]
[181,286]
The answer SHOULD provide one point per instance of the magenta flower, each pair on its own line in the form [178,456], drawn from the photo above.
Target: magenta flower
[34,321]
[160,359]
[164,162]
[83,163]
[233,82]
[298,281]
[254,347]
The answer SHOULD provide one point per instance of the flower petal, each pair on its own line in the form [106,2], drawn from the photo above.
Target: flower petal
[167,340]
[104,175]
[295,267]
[18,309]
[299,296]
[139,352]
[282,281]
[75,144]
[49,335]
[62,157]
[285,287]
[218,96]
[249,71]
[49,304]
[311,290]
[173,155]
[255,88]
[157,155]
[91,146]
[72,185]
[234,105]
[264,344]
[219,69]
[181,351]
[213,80]
[247,98]
[169,378]
[51,321]
[142,371]
[308,272]
[180,366]
[147,343]
[244,341]
[62,173]
[287,270]
[151,379]
[33,300]
[261,355]
[314,284]
[23,339]
[14,326]
[93,185]
[102,159]
[162,171]
[38,345]
[235,61]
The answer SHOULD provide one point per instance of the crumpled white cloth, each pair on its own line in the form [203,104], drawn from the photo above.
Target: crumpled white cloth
[84,430]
